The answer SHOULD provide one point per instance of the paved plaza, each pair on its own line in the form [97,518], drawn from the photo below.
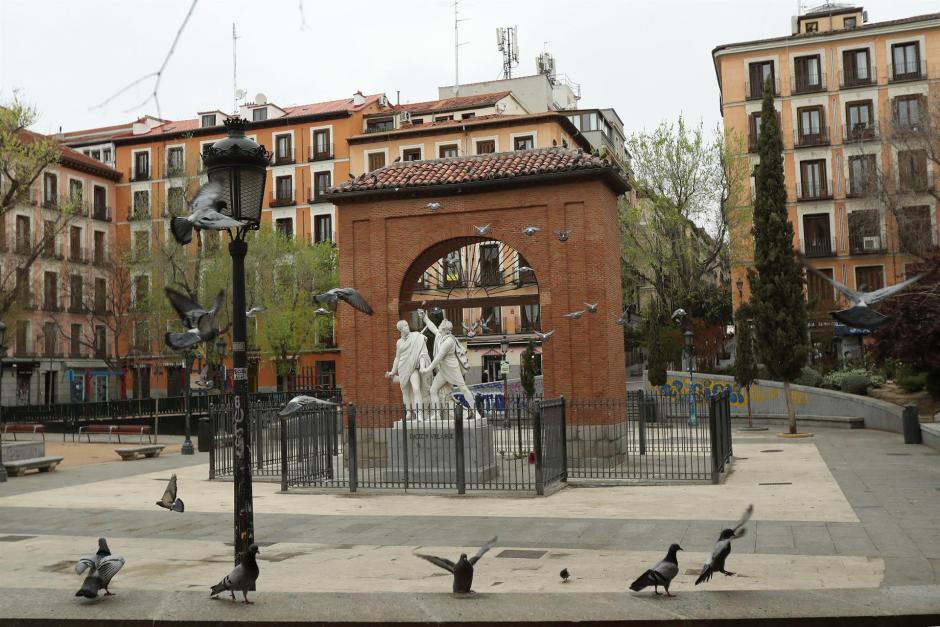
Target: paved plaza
[845,523]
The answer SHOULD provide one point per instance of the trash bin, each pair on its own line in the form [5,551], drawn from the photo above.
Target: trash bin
[648,408]
[910,422]
[204,435]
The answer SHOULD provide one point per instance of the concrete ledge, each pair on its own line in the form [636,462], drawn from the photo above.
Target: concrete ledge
[15,451]
[831,422]
[930,433]
[907,606]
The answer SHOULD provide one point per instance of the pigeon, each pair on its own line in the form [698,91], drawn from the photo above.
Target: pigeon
[397,160]
[203,214]
[483,230]
[564,574]
[471,331]
[433,206]
[563,235]
[348,294]
[530,230]
[352,177]
[322,311]
[574,315]
[101,567]
[200,324]
[254,311]
[463,569]
[170,501]
[723,548]
[485,324]
[860,315]
[543,337]
[522,269]
[591,308]
[242,577]
[678,314]
[204,382]
[661,574]
[624,317]
[299,402]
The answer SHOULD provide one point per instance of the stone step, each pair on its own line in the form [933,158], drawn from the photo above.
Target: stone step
[42,464]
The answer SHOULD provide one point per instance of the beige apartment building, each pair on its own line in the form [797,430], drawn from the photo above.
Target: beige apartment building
[852,97]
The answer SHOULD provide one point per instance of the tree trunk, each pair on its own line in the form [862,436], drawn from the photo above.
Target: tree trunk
[750,418]
[791,411]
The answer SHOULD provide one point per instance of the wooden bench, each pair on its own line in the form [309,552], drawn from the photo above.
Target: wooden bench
[16,427]
[42,464]
[136,452]
[117,430]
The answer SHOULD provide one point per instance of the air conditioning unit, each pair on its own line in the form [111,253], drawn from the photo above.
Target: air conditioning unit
[405,116]
[872,242]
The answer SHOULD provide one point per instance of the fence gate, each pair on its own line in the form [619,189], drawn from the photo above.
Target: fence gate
[313,448]
[550,445]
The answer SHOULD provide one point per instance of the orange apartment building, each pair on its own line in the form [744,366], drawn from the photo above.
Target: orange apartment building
[850,95]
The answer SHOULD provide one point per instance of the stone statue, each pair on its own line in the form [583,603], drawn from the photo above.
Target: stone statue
[450,361]
[411,357]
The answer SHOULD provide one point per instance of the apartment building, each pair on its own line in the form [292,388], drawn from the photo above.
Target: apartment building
[57,349]
[852,98]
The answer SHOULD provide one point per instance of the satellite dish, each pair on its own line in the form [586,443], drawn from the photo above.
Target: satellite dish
[261,98]
[240,93]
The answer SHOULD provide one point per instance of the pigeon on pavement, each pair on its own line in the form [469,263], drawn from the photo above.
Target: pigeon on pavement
[101,567]
[204,214]
[348,294]
[299,402]
[199,322]
[242,576]
[463,569]
[564,574]
[543,337]
[170,501]
[723,548]
[661,574]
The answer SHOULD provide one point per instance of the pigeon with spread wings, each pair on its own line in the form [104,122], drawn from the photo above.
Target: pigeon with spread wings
[170,501]
[204,213]
[101,567]
[723,548]
[199,322]
[299,402]
[349,294]
[463,569]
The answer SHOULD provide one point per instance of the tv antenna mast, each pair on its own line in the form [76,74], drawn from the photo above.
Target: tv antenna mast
[234,73]
[457,44]
[508,43]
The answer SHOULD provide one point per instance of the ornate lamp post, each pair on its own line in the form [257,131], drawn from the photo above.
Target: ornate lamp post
[690,350]
[220,349]
[239,165]
[504,370]
[188,358]
[3,353]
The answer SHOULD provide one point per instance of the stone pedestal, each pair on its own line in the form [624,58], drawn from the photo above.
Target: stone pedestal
[18,451]
[428,450]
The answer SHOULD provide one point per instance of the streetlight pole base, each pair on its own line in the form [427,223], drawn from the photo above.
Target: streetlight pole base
[187,448]
[3,474]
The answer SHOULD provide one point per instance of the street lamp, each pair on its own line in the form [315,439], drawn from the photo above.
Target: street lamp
[504,370]
[690,350]
[220,349]
[239,165]
[188,358]
[3,353]
[740,285]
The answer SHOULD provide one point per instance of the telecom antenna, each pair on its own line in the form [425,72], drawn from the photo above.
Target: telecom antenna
[457,44]
[234,73]
[508,43]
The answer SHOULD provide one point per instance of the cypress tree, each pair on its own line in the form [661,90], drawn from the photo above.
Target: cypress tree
[776,279]
[656,349]
[745,366]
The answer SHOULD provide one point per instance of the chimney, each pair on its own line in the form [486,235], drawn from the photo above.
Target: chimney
[358,99]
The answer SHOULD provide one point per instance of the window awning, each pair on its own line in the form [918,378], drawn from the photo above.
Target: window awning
[86,364]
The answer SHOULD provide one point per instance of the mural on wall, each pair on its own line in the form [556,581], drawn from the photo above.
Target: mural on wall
[707,386]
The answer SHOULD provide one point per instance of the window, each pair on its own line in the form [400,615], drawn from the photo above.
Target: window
[417,121]
[411,154]
[861,175]
[486,146]
[817,235]
[48,339]
[490,273]
[811,127]
[321,183]
[141,291]
[142,336]
[468,116]
[22,337]
[820,293]
[326,373]
[22,288]
[23,239]
[48,238]
[531,318]
[50,301]
[856,66]
[284,226]
[101,342]
[141,244]
[859,120]
[50,190]
[808,76]
[76,293]
[141,166]
[849,22]
[322,228]
[451,270]
[869,278]
[99,247]
[75,244]
[492,318]
[75,191]
[912,170]
[865,231]
[208,120]
[376,160]
[813,177]
[491,365]
[283,150]
[443,118]
[525,142]
[907,112]
[175,201]
[380,125]
[101,295]
[174,161]
[106,155]
[812,27]
[914,229]
[446,151]
[758,74]
[100,199]
[905,59]
[322,148]
[260,114]
[284,189]
[141,207]
[754,129]
[75,340]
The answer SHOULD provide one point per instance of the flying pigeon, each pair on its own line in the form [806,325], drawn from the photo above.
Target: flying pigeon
[322,311]
[483,230]
[204,382]
[203,214]
[485,324]
[678,313]
[242,576]
[200,324]
[101,567]
[723,548]
[574,315]
[433,206]
[254,311]
[860,315]
[348,294]
[591,308]
[564,574]
[470,331]
[624,317]
[299,402]
[563,235]
[170,501]
[661,574]
[463,569]
[530,230]
[543,337]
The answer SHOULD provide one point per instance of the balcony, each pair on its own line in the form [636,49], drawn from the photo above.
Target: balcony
[321,153]
[139,175]
[22,246]
[100,259]
[860,133]
[812,137]
[101,213]
[854,78]
[819,190]
[50,203]
[77,308]
[805,84]
[910,129]
[755,91]
[901,72]
[867,243]
[860,189]
[282,200]
[51,306]
[820,247]
[175,171]
[321,238]
[284,160]
[78,256]
[752,141]
[138,213]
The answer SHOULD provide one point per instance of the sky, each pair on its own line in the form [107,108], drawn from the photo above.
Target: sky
[650,60]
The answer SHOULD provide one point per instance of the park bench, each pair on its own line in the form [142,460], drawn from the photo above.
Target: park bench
[117,430]
[42,464]
[16,427]
[136,452]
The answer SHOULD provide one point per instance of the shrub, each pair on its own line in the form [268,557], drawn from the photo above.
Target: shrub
[932,383]
[810,377]
[912,381]
[833,380]
[855,384]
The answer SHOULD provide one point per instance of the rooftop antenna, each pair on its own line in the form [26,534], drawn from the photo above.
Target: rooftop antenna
[457,44]
[508,43]
[234,73]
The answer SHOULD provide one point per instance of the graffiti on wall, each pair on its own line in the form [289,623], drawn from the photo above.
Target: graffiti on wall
[707,387]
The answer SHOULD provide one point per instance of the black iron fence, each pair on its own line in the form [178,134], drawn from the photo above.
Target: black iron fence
[533,447]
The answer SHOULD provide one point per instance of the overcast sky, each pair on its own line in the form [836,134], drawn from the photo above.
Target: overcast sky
[649,60]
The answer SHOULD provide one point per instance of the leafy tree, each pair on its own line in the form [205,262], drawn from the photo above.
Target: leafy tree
[527,371]
[657,351]
[745,366]
[776,279]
